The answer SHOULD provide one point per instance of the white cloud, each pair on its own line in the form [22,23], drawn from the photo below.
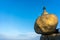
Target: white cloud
[28,35]
[12,33]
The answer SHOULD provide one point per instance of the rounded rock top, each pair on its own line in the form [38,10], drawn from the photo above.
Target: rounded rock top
[47,22]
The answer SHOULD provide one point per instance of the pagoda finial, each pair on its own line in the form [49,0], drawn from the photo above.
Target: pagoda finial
[44,10]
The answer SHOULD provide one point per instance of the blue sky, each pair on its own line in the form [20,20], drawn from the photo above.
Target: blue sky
[18,16]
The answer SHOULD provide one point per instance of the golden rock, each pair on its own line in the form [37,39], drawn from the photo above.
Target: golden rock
[46,22]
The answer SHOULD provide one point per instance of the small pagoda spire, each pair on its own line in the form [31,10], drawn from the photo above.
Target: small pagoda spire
[44,10]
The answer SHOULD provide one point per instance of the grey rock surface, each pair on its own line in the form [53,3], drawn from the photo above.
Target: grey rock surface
[50,37]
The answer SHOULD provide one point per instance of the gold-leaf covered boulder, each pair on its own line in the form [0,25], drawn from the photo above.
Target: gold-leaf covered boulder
[46,23]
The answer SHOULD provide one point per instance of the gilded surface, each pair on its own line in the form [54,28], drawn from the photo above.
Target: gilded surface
[47,22]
